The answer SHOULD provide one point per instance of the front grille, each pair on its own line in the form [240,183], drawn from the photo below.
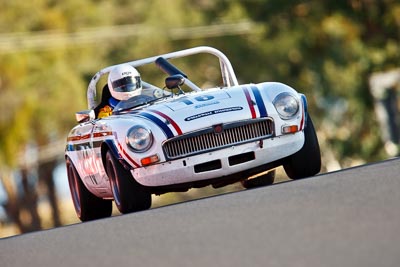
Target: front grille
[208,139]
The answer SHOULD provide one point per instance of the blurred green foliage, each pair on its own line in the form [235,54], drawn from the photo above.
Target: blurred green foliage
[325,49]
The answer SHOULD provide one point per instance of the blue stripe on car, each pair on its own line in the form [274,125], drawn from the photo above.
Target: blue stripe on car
[305,105]
[259,101]
[159,123]
[304,100]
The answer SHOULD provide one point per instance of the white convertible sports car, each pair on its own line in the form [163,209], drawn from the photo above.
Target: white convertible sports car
[184,136]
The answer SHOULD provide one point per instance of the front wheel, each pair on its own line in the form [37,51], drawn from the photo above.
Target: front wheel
[307,161]
[87,206]
[129,195]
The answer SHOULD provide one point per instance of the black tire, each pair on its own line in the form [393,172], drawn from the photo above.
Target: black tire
[262,180]
[307,161]
[129,195]
[87,206]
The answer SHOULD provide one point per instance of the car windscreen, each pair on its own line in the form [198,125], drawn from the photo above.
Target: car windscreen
[133,102]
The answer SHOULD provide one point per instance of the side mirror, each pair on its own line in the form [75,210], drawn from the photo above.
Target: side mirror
[174,81]
[84,116]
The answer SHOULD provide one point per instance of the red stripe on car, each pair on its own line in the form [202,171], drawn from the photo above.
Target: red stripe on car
[78,137]
[250,103]
[302,121]
[134,163]
[101,134]
[173,123]
[129,158]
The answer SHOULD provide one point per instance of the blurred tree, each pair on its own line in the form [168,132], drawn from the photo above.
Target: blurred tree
[35,92]
[328,50]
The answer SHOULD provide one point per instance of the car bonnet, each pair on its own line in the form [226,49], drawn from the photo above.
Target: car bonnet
[195,111]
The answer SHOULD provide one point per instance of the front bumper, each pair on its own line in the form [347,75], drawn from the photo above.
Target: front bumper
[219,163]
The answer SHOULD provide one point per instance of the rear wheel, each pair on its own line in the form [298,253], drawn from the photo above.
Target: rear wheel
[307,161]
[87,206]
[129,195]
[262,180]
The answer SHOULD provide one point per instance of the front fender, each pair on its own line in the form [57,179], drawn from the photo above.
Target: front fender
[109,145]
[305,105]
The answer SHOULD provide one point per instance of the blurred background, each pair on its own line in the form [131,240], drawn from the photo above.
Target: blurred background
[343,55]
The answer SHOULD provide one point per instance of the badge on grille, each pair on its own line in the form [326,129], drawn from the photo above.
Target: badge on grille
[218,128]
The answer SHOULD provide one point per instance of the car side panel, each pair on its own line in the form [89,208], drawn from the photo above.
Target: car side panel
[83,147]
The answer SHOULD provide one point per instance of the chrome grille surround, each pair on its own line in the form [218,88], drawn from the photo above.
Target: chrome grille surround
[210,139]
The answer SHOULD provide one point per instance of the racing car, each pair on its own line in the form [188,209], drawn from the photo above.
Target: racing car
[185,134]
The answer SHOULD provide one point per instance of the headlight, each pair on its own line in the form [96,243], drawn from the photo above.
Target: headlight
[139,138]
[286,105]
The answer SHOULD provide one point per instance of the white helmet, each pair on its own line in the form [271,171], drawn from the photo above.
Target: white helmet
[124,82]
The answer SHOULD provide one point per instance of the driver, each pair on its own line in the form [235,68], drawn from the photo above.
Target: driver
[123,83]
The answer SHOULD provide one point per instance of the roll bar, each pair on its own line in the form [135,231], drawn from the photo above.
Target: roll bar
[228,74]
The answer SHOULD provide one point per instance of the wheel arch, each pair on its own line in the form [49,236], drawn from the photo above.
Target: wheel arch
[305,106]
[109,145]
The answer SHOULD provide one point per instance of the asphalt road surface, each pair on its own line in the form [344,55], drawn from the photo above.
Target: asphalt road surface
[345,218]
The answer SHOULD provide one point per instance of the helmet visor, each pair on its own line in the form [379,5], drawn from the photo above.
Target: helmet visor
[127,84]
